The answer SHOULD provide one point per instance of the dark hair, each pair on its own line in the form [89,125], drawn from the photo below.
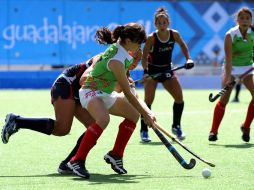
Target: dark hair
[133,31]
[243,10]
[161,12]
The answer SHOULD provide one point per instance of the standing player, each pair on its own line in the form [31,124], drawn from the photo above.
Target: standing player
[238,45]
[157,58]
[97,96]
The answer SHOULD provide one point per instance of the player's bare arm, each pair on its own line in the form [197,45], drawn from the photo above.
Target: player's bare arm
[182,44]
[146,50]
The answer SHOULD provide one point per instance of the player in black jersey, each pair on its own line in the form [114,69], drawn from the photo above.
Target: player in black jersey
[157,58]
[65,100]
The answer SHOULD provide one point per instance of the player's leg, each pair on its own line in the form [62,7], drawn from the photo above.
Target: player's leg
[218,113]
[64,110]
[245,127]
[174,88]
[64,106]
[237,91]
[99,111]
[84,117]
[149,89]
[123,109]
[64,113]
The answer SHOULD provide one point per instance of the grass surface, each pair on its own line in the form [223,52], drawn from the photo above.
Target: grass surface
[30,159]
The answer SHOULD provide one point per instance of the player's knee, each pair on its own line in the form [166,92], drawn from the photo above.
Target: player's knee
[179,99]
[65,131]
[148,101]
[103,122]
[135,117]
[224,102]
[62,129]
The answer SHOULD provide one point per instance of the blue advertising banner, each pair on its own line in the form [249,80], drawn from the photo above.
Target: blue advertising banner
[61,32]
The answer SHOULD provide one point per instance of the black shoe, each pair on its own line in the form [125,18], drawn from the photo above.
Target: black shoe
[116,163]
[78,167]
[246,134]
[64,169]
[236,100]
[212,137]
[177,131]
[9,128]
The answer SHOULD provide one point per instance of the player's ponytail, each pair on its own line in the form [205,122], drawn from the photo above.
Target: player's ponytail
[118,32]
[104,36]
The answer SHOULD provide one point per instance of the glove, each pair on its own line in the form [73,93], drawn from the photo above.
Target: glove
[189,64]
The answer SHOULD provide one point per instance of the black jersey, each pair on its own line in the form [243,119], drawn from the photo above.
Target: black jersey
[160,54]
[72,75]
[67,84]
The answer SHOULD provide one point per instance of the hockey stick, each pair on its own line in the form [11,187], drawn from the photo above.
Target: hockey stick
[182,145]
[229,86]
[140,81]
[174,152]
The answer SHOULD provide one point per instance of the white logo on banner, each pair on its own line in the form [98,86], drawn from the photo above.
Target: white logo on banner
[54,33]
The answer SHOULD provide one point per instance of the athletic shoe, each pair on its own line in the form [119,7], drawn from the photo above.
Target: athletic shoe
[235,100]
[78,167]
[176,130]
[212,137]
[246,133]
[145,137]
[9,128]
[64,169]
[116,163]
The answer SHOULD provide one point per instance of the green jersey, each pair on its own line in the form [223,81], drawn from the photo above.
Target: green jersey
[101,77]
[242,49]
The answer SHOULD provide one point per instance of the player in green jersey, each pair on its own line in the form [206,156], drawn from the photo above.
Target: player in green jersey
[238,46]
[98,97]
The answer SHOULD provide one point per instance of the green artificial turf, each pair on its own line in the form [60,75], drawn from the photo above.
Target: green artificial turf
[30,160]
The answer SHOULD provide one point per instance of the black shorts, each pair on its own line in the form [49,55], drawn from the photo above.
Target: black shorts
[62,88]
[166,72]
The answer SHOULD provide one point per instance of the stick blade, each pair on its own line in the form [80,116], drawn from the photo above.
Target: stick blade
[211,97]
[190,165]
[210,164]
